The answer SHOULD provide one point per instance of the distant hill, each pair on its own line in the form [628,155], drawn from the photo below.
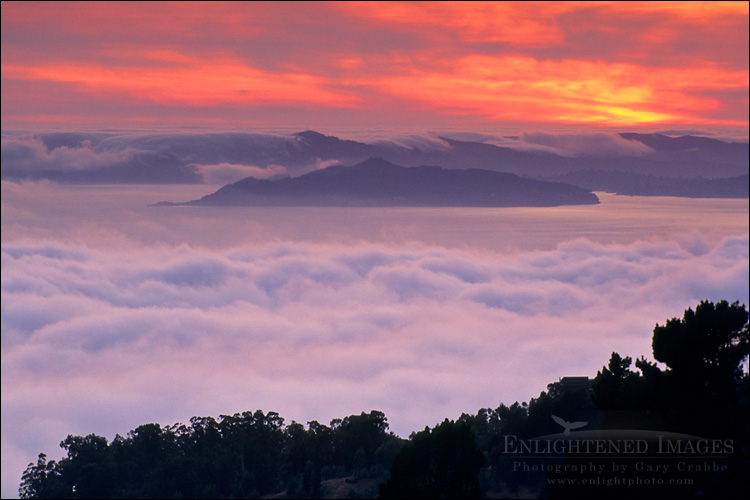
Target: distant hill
[180,158]
[648,185]
[377,182]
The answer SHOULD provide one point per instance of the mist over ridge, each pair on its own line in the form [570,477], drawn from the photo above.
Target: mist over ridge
[620,162]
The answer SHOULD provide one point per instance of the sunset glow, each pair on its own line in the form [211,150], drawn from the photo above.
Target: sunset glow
[466,212]
[577,63]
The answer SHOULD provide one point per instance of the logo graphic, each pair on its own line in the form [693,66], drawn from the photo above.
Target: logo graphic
[568,425]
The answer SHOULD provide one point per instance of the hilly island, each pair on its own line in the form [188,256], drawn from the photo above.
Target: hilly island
[376,182]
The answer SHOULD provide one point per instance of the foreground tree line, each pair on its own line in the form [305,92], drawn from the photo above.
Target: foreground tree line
[702,392]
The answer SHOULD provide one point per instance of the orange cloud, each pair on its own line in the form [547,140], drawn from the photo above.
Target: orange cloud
[189,81]
[695,12]
[348,62]
[527,23]
[518,23]
[525,89]
[169,20]
[584,62]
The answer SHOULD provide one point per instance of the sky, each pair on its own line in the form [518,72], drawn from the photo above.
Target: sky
[321,65]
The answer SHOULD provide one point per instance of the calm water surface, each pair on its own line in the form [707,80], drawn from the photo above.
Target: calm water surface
[103,215]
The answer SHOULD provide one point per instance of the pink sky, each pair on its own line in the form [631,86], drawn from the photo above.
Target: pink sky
[364,64]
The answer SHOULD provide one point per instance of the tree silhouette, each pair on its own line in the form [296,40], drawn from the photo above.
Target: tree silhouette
[705,348]
[41,480]
[440,463]
[702,392]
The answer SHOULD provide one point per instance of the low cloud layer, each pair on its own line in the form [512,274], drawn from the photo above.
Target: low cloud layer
[101,341]
[572,145]
[116,314]
[227,173]
[152,158]
[586,145]
[28,152]
[223,157]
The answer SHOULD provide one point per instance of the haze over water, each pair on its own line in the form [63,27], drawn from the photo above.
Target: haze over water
[81,212]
